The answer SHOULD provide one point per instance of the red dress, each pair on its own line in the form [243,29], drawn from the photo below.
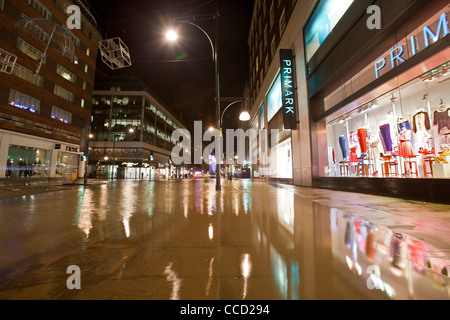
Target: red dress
[405,148]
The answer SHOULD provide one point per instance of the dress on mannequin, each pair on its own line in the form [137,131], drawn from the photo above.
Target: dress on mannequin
[385,133]
[354,144]
[405,148]
[421,126]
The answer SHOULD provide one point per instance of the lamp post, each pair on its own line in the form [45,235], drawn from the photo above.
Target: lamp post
[172,36]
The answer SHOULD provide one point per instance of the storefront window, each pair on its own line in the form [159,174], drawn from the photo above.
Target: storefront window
[274,101]
[65,163]
[25,162]
[403,133]
[281,160]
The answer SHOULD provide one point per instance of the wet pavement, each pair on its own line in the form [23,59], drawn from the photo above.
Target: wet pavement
[172,240]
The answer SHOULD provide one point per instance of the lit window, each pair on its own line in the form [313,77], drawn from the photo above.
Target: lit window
[61,115]
[23,101]
[66,74]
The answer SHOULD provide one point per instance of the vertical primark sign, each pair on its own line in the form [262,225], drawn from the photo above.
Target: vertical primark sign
[288,89]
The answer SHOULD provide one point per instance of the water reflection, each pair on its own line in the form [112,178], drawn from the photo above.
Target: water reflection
[172,277]
[326,241]
[246,270]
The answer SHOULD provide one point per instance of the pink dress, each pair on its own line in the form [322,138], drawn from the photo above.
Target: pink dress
[405,149]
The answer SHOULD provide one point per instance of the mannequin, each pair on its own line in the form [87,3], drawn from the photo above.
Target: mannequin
[342,143]
[362,137]
[354,143]
[405,148]
[421,126]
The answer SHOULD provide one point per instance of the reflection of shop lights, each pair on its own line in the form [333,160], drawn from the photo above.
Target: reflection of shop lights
[437,73]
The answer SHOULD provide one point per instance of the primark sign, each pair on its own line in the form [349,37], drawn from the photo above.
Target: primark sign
[413,45]
[288,89]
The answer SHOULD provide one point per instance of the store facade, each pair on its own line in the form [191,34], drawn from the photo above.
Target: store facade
[34,157]
[379,98]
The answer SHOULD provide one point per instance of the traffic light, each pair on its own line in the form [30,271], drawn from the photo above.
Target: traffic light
[84,158]
[170,160]
[151,157]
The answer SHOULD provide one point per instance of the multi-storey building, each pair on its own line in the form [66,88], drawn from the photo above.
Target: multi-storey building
[45,102]
[131,135]
[367,83]
[267,29]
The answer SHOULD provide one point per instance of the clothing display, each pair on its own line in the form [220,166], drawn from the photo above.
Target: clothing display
[353,155]
[421,122]
[442,120]
[421,126]
[362,137]
[405,148]
[385,133]
[403,133]
[407,126]
[374,149]
[342,144]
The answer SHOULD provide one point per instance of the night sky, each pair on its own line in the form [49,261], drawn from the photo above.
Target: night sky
[186,87]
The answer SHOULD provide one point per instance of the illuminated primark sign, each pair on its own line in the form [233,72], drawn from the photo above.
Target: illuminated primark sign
[397,55]
[288,89]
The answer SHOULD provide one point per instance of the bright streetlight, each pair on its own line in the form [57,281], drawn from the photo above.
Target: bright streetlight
[171,35]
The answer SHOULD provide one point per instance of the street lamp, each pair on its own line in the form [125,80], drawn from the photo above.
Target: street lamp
[172,36]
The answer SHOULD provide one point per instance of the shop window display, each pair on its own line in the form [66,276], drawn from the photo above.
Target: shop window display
[403,133]
[26,162]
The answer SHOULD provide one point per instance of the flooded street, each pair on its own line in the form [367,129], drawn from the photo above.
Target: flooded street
[172,240]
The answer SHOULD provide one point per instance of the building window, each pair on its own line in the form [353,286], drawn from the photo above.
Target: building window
[266,62]
[23,101]
[272,15]
[29,50]
[273,46]
[266,36]
[282,22]
[61,115]
[2,4]
[43,11]
[83,103]
[86,68]
[66,74]
[63,93]
[28,75]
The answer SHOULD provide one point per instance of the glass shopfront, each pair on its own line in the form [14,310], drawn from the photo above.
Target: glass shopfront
[65,163]
[26,162]
[403,133]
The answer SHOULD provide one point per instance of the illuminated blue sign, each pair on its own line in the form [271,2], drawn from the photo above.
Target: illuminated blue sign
[326,16]
[396,55]
[288,89]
